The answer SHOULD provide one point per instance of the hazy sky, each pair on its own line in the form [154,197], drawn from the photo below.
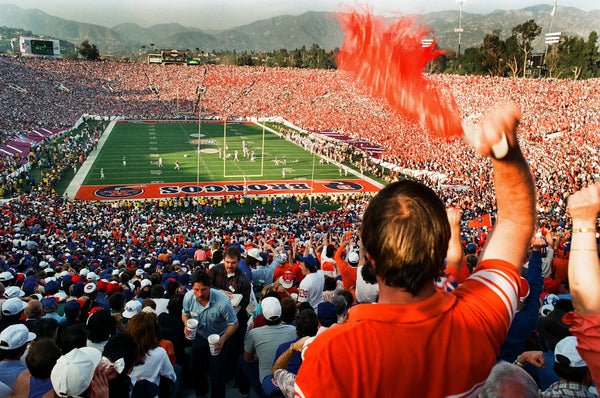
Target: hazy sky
[215,14]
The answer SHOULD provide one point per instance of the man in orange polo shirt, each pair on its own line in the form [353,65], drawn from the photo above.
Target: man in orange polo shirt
[418,341]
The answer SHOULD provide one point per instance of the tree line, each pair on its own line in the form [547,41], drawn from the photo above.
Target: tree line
[573,57]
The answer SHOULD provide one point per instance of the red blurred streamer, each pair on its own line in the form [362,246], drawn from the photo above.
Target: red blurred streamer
[390,60]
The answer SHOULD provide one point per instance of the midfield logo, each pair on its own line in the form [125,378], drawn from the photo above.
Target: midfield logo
[118,192]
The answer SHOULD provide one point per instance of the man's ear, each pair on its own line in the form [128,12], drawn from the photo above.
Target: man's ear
[371,260]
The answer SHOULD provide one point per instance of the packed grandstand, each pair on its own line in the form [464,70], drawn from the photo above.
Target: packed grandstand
[558,134]
[557,131]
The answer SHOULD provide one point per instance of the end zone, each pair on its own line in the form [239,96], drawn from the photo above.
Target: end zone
[165,191]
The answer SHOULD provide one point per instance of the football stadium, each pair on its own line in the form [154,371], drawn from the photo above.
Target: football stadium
[169,158]
[185,213]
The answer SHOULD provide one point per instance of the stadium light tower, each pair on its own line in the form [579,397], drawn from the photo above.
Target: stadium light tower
[459,30]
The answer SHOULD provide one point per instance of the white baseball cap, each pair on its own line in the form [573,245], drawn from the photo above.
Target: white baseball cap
[132,308]
[91,277]
[15,336]
[74,371]
[271,308]
[13,291]
[254,253]
[145,282]
[5,276]
[89,288]
[567,348]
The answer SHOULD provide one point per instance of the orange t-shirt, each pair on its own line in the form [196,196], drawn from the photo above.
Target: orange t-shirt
[443,346]
[348,272]
[561,269]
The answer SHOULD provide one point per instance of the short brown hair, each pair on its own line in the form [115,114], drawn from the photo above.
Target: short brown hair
[233,252]
[405,230]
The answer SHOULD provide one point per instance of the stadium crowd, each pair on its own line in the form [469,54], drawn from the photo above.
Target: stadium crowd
[559,116]
[72,268]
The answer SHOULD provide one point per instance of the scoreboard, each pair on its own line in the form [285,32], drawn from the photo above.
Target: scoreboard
[37,46]
[174,57]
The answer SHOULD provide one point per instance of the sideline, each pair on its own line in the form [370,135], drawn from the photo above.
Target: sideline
[75,185]
[344,167]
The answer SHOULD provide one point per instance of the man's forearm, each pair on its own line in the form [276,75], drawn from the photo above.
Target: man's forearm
[584,269]
[284,359]
[515,190]
[230,331]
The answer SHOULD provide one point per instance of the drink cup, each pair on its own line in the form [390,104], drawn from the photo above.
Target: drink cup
[213,339]
[192,326]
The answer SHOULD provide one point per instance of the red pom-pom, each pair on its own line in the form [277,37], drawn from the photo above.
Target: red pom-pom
[390,60]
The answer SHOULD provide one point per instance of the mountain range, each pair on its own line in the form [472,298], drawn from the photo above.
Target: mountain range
[290,32]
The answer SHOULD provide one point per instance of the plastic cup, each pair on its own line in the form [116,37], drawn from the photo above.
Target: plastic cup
[192,326]
[213,339]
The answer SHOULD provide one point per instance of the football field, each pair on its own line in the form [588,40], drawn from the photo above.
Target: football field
[176,157]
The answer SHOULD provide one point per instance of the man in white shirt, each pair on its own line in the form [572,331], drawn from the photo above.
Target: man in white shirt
[311,287]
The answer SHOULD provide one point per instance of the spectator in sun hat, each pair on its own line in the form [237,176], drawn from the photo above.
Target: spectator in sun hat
[253,257]
[48,271]
[91,290]
[102,285]
[74,372]
[91,277]
[145,282]
[13,343]
[139,273]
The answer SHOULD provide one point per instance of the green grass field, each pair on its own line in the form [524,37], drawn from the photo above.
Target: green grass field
[143,144]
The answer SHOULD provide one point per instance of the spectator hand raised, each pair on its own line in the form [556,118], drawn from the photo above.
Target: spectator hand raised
[584,206]
[497,132]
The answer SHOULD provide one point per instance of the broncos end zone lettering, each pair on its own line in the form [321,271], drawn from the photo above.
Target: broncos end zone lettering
[159,191]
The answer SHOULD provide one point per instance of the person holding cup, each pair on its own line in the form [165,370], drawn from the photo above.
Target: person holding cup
[215,315]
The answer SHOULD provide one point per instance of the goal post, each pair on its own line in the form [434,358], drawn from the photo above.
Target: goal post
[226,151]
